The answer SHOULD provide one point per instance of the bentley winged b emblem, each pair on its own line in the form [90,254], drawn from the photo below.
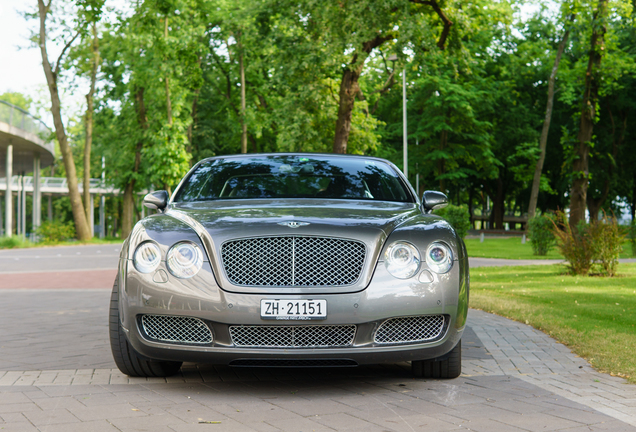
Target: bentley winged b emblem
[293,224]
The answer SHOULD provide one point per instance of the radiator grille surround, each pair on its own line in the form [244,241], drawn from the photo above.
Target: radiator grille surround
[176,329]
[314,336]
[411,329]
[293,261]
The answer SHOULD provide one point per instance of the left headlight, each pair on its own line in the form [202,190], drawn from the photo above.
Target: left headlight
[184,260]
[439,257]
[402,259]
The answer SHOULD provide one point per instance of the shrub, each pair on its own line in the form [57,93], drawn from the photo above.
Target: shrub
[598,242]
[457,216]
[574,244]
[13,242]
[53,232]
[632,236]
[606,238]
[541,233]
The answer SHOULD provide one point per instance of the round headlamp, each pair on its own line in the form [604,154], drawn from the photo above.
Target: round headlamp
[184,260]
[147,257]
[439,257]
[402,259]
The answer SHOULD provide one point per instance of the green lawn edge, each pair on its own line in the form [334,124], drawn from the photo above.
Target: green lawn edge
[593,316]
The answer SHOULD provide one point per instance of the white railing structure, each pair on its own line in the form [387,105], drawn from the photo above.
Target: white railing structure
[57,185]
[21,119]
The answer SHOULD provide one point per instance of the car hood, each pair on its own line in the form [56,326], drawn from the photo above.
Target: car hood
[370,222]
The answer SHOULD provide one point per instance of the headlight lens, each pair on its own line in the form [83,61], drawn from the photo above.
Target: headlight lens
[402,259]
[439,257]
[147,257]
[184,260]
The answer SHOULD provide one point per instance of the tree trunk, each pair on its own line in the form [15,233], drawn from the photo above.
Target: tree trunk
[129,190]
[79,216]
[580,166]
[89,128]
[499,205]
[536,181]
[349,88]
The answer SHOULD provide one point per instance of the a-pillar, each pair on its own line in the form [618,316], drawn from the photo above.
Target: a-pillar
[8,197]
[37,193]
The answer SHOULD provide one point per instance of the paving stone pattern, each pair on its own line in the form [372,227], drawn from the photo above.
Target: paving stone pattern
[56,374]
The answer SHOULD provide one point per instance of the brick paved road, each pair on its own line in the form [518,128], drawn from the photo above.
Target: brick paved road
[56,374]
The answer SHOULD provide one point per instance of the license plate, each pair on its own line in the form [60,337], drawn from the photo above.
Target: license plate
[294,309]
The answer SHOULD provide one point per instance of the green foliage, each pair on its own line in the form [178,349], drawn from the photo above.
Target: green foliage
[606,239]
[457,216]
[18,99]
[541,233]
[14,242]
[632,236]
[55,232]
[574,244]
[599,242]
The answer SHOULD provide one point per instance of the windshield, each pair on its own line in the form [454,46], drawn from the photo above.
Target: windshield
[293,177]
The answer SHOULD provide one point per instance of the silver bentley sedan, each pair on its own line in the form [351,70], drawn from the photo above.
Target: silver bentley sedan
[291,260]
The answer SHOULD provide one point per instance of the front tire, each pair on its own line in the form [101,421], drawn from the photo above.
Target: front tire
[450,367]
[126,358]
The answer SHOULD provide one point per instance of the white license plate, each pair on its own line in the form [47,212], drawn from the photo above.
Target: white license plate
[294,309]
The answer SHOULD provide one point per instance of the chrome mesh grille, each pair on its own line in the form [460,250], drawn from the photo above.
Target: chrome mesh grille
[176,329]
[411,329]
[315,336]
[293,261]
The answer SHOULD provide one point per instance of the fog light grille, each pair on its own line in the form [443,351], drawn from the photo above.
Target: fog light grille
[176,329]
[424,328]
[316,336]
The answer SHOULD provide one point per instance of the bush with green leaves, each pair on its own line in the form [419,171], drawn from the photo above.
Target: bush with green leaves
[632,236]
[540,229]
[606,238]
[588,244]
[13,242]
[457,216]
[55,231]
[573,244]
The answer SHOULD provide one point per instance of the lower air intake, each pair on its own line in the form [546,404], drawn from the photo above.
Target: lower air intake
[424,328]
[176,329]
[294,363]
[314,336]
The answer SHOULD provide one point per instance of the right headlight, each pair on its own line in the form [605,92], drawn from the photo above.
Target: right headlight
[402,259]
[439,257]
[147,257]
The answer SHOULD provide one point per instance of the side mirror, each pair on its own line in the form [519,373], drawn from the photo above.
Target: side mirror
[433,200]
[157,200]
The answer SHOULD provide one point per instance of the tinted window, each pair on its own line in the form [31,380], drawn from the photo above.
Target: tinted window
[293,177]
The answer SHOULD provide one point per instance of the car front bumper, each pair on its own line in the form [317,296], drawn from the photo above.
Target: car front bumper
[200,297]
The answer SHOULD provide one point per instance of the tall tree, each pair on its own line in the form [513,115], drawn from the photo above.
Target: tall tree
[543,141]
[580,165]
[52,75]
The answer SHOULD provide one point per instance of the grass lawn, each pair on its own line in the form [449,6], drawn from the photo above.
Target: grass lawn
[511,248]
[17,242]
[594,316]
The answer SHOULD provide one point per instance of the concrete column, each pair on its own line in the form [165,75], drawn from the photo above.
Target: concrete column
[23,203]
[37,193]
[102,216]
[91,222]
[8,197]
[49,208]
[18,207]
